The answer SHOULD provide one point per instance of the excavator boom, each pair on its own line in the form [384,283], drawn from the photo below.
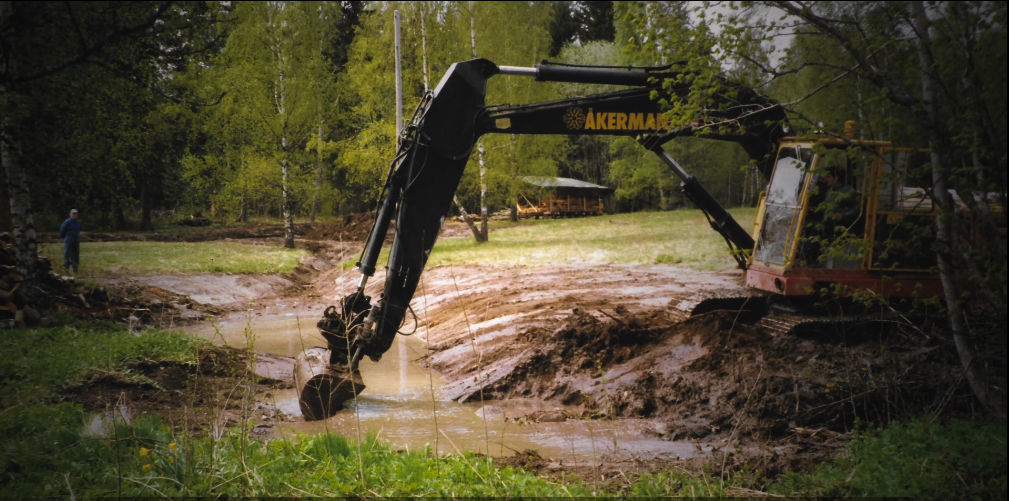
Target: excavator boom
[437,144]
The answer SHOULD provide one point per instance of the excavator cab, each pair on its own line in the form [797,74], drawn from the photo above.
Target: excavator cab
[843,215]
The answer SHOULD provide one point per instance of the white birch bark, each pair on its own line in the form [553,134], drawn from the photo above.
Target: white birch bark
[22,217]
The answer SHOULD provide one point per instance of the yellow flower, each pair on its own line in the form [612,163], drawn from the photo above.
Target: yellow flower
[173,446]
[144,452]
[147,467]
[171,459]
[826,390]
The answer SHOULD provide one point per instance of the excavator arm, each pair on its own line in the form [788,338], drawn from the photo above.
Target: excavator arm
[436,146]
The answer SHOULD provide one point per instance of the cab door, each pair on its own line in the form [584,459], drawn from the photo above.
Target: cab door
[783,206]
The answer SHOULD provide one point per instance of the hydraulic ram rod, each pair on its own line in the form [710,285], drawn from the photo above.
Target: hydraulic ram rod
[548,73]
[721,220]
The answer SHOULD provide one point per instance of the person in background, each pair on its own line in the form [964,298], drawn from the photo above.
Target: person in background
[71,234]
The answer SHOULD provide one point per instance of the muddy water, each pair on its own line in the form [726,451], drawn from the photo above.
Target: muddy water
[402,405]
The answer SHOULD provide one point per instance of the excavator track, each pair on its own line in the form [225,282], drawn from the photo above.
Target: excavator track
[836,327]
[684,306]
[754,309]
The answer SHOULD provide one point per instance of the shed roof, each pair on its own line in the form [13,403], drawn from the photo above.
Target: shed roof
[565,184]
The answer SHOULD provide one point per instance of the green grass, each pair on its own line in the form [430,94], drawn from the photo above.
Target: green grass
[920,460]
[153,258]
[681,237]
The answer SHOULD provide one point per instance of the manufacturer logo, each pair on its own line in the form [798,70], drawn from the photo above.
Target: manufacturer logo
[574,118]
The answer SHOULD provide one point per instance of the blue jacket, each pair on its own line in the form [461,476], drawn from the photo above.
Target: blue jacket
[71,231]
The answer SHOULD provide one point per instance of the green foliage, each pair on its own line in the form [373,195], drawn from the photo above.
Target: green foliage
[152,258]
[921,459]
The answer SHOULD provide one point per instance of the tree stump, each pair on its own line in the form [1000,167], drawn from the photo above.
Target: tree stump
[323,388]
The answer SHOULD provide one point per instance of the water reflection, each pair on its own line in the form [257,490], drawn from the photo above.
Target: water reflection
[402,404]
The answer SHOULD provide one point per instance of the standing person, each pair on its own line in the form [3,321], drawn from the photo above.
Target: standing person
[71,233]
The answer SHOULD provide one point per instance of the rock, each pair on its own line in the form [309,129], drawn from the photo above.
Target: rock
[490,412]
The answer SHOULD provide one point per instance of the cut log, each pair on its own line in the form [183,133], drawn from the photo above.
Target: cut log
[20,299]
[19,318]
[323,388]
[32,317]
[5,297]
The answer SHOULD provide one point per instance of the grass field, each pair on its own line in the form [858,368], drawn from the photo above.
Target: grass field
[154,258]
[681,237]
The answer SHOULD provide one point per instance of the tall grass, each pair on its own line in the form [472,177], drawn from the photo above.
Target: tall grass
[153,258]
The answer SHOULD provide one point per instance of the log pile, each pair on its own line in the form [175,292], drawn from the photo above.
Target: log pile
[15,307]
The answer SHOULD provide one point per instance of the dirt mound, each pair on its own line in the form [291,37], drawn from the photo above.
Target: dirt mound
[200,397]
[714,378]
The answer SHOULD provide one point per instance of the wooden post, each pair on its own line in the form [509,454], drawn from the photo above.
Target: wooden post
[399,84]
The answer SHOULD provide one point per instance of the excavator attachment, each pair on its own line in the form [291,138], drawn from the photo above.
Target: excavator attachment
[323,388]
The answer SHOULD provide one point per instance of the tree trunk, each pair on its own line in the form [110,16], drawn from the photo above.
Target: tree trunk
[482,235]
[423,46]
[285,164]
[945,227]
[513,213]
[288,216]
[243,216]
[146,203]
[483,196]
[318,175]
[22,218]
[469,221]
[118,216]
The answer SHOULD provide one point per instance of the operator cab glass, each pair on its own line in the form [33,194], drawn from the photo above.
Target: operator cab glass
[834,224]
[783,204]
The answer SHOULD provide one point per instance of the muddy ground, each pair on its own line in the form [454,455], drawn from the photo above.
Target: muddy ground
[602,339]
[222,389]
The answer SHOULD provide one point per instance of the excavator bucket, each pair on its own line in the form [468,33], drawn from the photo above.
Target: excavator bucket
[323,387]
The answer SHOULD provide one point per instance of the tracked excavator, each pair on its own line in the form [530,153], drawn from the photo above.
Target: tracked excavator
[787,255]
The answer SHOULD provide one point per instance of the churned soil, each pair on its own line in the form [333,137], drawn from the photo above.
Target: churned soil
[602,339]
[215,392]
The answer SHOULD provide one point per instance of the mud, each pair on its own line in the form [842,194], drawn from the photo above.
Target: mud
[216,392]
[778,404]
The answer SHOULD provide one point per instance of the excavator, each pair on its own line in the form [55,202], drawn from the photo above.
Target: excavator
[789,253]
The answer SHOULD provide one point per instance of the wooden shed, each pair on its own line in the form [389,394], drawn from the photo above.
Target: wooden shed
[560,197]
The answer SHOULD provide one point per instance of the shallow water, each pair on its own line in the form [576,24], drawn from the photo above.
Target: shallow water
[402,405]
